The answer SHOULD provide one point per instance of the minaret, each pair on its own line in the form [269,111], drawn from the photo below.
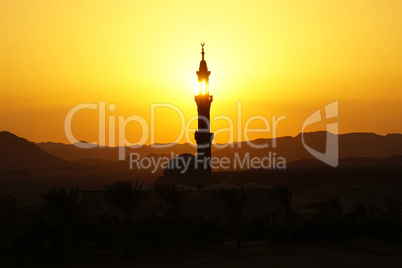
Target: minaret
[203,136]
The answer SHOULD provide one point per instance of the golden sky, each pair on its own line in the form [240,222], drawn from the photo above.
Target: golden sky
[277,57]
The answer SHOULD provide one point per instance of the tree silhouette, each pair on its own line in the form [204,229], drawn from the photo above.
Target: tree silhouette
[126,197]
[176,200]
[337,210]
[283,195]
[64,208]
[361,211]
[393,214]
[235,199]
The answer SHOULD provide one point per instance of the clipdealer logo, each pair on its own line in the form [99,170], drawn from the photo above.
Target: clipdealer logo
[331,155]
[271,161]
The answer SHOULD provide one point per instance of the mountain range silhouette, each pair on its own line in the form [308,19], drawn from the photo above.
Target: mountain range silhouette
[354,149]
[369,145]
[19,152]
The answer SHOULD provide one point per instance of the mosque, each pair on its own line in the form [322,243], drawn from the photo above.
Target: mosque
[187,169]
[197,176]
[193,174]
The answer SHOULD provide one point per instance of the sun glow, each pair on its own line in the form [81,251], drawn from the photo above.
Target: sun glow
[202,88]
[291,59]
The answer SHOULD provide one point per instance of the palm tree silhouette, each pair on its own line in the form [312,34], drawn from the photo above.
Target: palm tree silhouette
[337,210]
[176,199]
[284,195]
[235,199]
[126,197]
[64,208]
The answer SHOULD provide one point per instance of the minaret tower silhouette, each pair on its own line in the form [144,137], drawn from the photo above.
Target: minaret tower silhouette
[203,136]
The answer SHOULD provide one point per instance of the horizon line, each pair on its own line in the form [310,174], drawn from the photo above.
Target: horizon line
[174,143]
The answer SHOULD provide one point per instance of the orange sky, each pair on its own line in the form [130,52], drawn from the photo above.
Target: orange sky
[276,57]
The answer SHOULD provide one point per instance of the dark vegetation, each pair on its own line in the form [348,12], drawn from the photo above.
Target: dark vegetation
[356,201]
[62,229]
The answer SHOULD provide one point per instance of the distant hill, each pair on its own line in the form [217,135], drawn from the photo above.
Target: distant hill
[356,148]
[360,171]
[71,152]
[369,145]
[363,155]
[16,152]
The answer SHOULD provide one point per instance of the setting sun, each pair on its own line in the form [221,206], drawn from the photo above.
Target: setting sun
[278,58]
[212,133]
